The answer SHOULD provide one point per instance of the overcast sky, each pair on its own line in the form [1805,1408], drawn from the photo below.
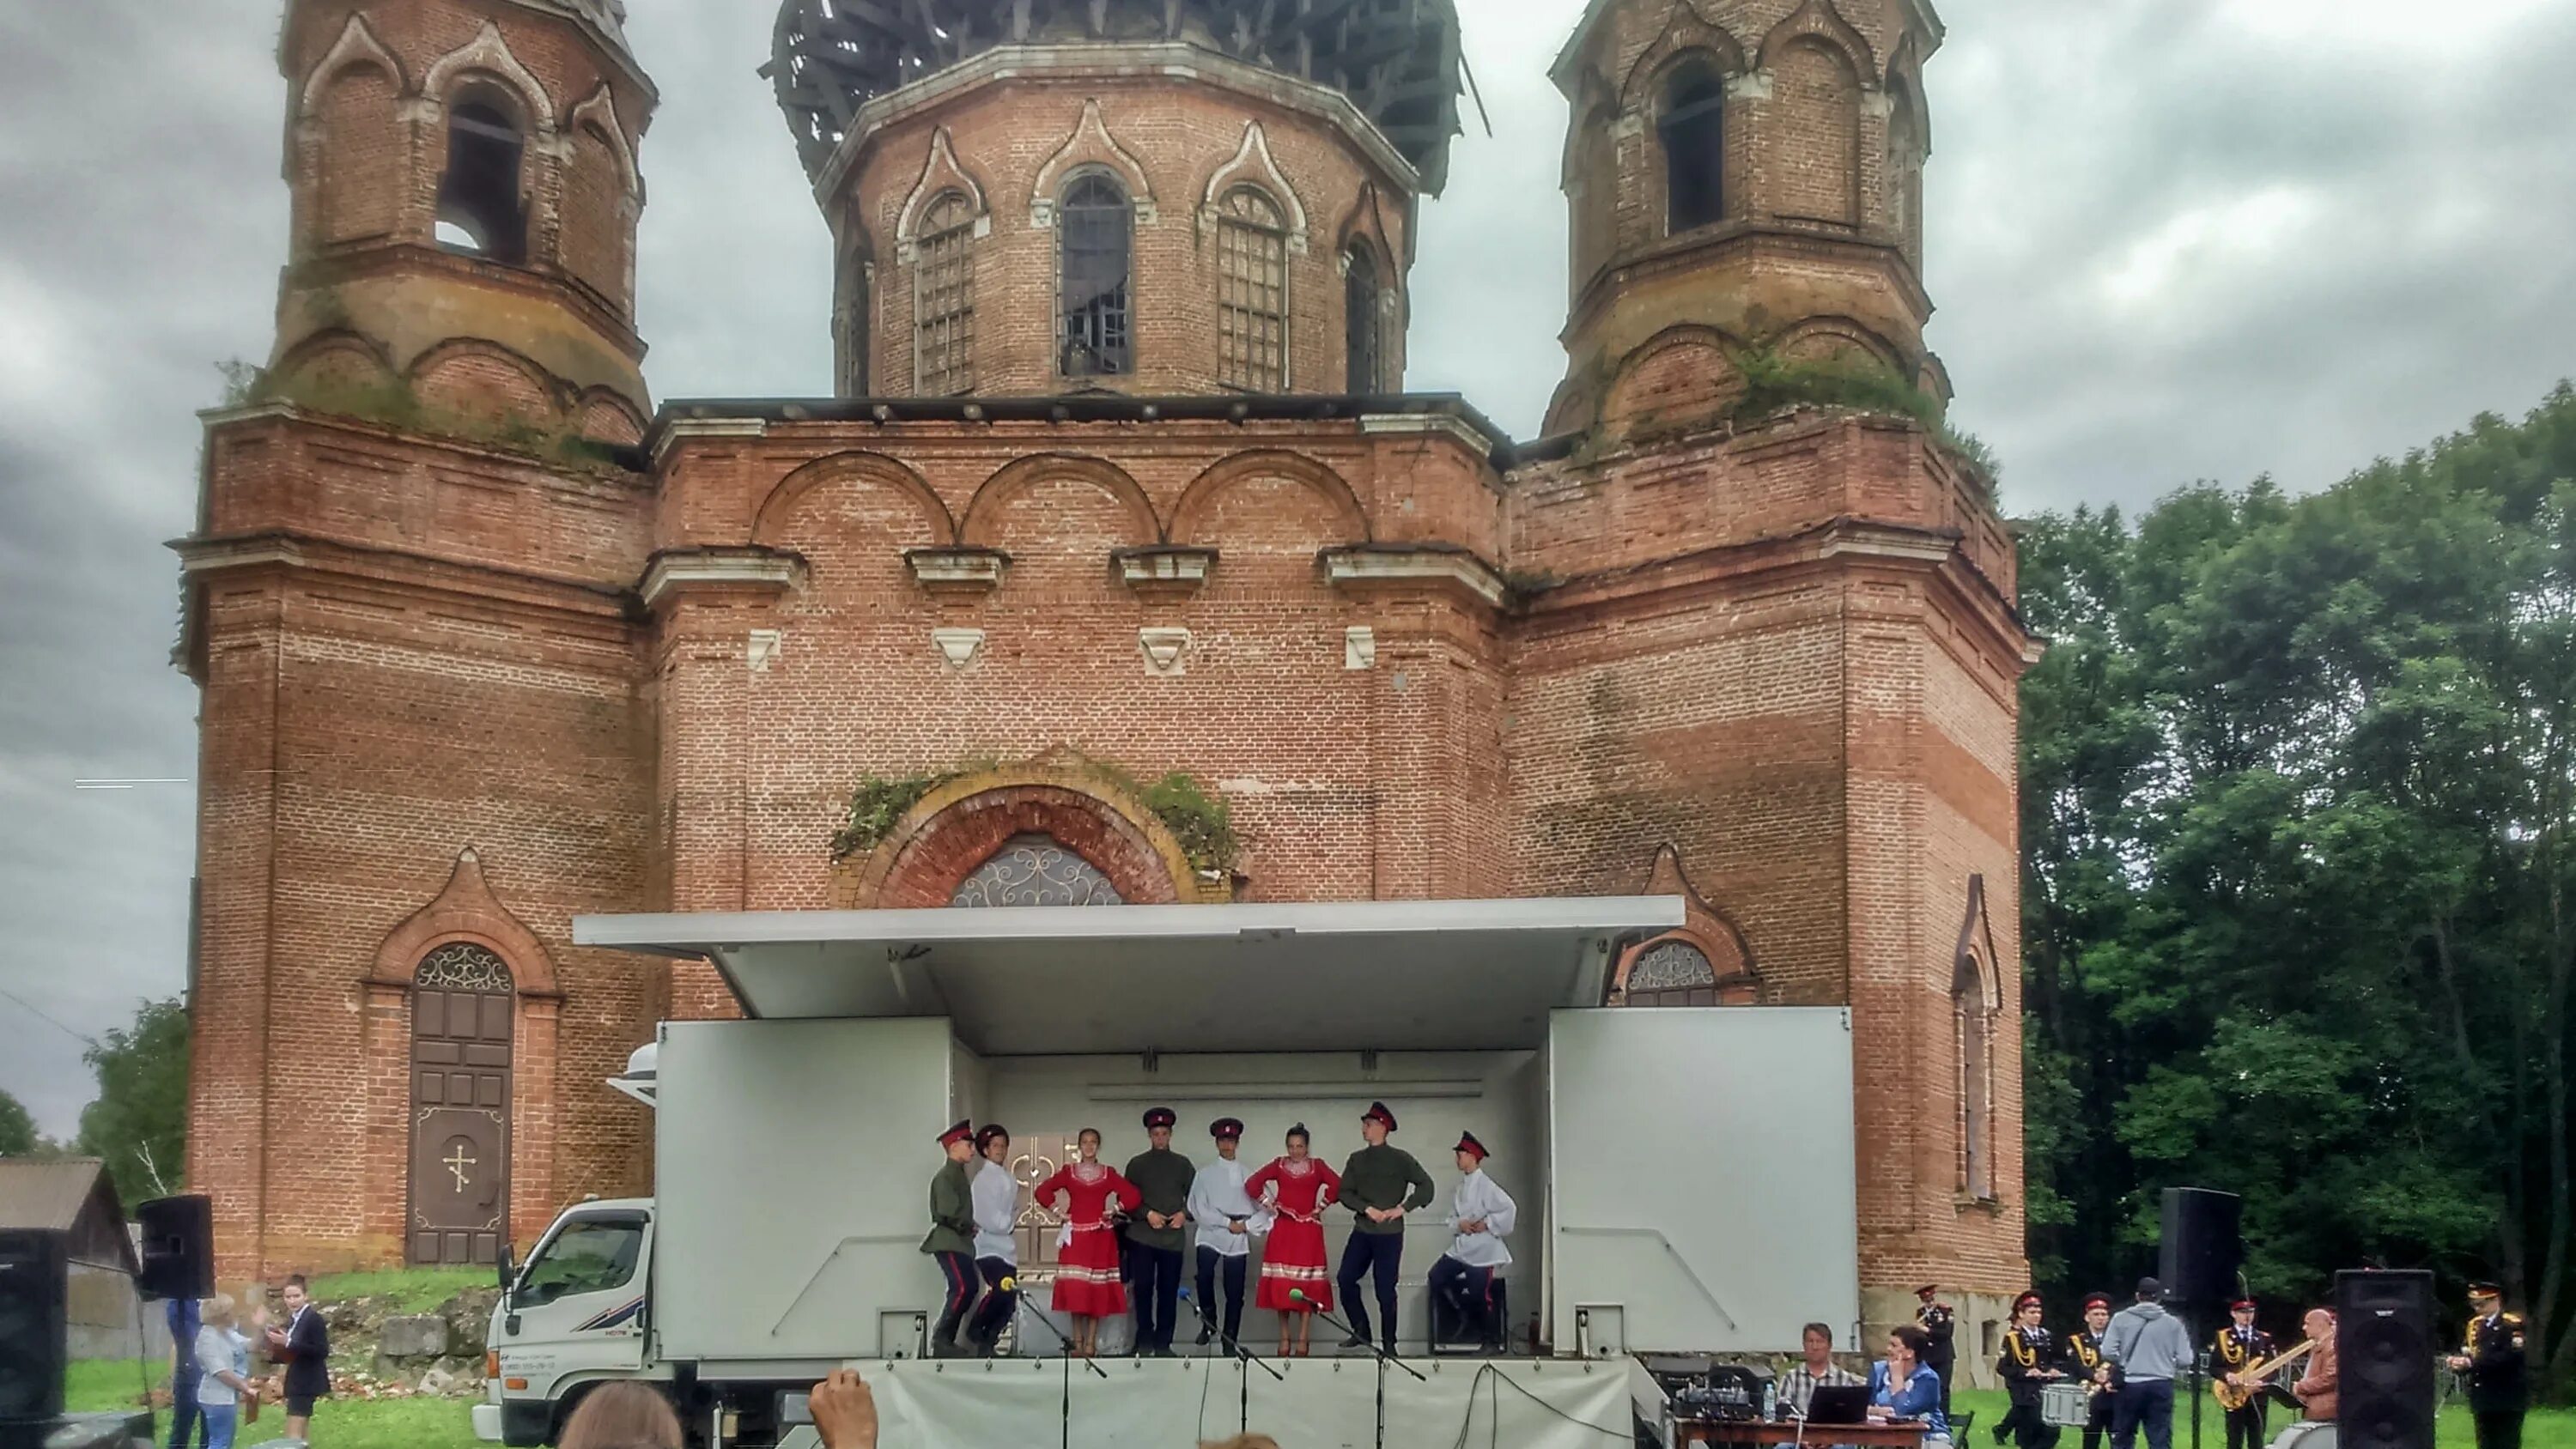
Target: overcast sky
[2170,239]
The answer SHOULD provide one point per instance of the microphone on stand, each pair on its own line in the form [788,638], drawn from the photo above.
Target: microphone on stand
[1298,1295]
[1239,1351]
[1011,1284]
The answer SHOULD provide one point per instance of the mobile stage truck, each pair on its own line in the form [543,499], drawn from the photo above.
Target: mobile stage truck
[1684,1175]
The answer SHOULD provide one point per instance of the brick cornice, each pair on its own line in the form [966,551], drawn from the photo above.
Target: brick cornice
[1449,570]
[202,559]
[1763,237]
[760,570]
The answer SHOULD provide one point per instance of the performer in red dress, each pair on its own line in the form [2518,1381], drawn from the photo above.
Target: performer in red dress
[1297,1189]
[1087,1285]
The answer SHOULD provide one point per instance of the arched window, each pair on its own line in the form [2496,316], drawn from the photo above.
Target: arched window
[1672,973]
[1976,1080]
[943,299]
[1692,127]
[1097,230]
[1365,334]
[1035,870]
[1252,291]
[479,206]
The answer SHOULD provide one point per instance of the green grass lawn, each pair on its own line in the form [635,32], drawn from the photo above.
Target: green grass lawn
[339,1424]
[2544,1429]
[418,1290]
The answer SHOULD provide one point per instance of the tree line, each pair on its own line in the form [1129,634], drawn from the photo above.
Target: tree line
[2299,777]
[138,1122]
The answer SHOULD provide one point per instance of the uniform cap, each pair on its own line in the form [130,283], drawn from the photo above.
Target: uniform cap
[1927,1290]
[2096,1300]
[1377,1113]
[1160,1117]
[2241,1305]
[2485,1290]
[962,1132]
[2028,1299]
[1467,1143]
[1225,1127]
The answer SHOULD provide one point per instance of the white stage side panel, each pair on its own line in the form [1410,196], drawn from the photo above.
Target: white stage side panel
[793,1172]
[1324,1404]
[1704,1178]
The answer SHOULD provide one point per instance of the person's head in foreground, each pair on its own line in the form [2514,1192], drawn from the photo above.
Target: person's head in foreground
[1818,1343]
[623,1416]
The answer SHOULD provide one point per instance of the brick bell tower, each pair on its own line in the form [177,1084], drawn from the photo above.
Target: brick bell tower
[405,609]
[1773,662]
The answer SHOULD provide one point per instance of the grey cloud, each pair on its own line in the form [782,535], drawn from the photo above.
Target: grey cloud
[2418,190]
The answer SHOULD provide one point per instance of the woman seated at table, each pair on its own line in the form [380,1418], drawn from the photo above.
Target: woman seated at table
[1902,1386]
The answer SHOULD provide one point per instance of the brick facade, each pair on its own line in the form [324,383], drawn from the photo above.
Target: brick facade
[461,688]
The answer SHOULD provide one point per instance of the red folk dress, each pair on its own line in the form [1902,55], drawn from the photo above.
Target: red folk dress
[1086,1276]
[1294,1257]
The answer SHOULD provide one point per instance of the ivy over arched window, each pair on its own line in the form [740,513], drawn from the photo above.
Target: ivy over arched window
[1095,305]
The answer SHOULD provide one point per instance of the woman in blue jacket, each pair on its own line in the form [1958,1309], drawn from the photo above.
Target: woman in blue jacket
[1903,1386]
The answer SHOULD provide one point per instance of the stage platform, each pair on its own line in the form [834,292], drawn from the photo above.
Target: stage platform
[1323,1403]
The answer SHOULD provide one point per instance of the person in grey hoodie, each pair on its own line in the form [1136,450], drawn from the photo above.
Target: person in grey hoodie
[2149,1348]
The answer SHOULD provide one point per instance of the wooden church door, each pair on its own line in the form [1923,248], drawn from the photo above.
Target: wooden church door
[461,1010]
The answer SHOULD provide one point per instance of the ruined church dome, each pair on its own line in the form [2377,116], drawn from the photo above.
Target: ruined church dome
[1397,60]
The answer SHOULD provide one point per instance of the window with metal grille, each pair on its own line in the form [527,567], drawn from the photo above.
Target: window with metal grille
[943,299]
[1252,292]
[1692,127]
[1366,372]
[1096,230]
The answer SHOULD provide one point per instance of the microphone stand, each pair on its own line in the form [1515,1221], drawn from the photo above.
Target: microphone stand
[1065,1415]
[1381,1354]
[1245,1355]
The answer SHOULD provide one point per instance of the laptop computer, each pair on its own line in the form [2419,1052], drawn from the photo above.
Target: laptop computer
[1838,1404]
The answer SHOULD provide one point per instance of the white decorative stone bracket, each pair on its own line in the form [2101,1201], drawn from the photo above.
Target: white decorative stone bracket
[674,571]
[966,571]
[765,647]
[1165,570]
[1447,568]
[959,647]
[1359,647]
[1166,651]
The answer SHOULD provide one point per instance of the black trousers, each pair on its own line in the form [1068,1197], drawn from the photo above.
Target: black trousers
[1470,1293]
[2245,1425]
[959,1270]
[2027,1429]
[2097,1419]
[1156,1285]
[1211,1264]
[1941,1367]
[998,1303]
[2499,1430]
[1378,1257]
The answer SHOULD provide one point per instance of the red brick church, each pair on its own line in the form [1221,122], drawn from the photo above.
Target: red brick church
[1118,513]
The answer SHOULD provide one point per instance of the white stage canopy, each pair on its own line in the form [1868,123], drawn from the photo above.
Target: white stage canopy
[1091,980]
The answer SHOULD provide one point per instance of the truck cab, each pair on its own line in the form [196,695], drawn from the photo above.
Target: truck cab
[575,1315]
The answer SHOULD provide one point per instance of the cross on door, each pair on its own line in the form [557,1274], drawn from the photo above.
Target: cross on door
[456,1161]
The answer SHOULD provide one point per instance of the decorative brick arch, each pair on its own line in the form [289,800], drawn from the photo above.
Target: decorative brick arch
[771,523]
[1732,979]
[979,526]
[956,828]
[465,911]
[1317,478]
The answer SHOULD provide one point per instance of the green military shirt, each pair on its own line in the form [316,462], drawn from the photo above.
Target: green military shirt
[1163,1179]
[1377,1177]
[952,1213]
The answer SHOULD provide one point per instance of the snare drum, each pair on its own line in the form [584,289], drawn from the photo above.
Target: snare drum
[2065,1406]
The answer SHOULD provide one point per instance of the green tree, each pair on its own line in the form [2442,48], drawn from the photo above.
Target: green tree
[139,1123]
[2299,780]
[18,1135]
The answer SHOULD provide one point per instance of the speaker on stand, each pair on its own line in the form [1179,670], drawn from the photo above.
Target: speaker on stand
[2384,1349]
[34,1277]
[2199,1254]
[178,1238]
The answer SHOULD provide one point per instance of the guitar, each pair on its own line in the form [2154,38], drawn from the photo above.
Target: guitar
[2231,1397]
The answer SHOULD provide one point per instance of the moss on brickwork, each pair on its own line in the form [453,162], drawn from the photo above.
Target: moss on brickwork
[1853,382]
[394,403]
[1196,818]
[875,806]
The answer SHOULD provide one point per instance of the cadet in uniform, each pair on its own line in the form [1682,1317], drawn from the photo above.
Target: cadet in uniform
[1480,1217]
[1162,1178]
[2086,1365]
[1380,1183]
[1228,1220]
[1938,1323]
[952,1235]
[2491,1360]
[2029,1361]
[2238,1347]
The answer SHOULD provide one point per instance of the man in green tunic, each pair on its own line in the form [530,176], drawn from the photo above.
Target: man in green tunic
[952,1236]
[1381,1183]
[1154,1235]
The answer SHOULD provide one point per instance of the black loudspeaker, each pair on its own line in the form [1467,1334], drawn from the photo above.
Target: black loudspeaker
[2201,1248]
[2385,1351]
[33,1268]
[178,1247]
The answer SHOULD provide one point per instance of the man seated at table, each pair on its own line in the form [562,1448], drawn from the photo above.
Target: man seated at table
[1815,1371]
